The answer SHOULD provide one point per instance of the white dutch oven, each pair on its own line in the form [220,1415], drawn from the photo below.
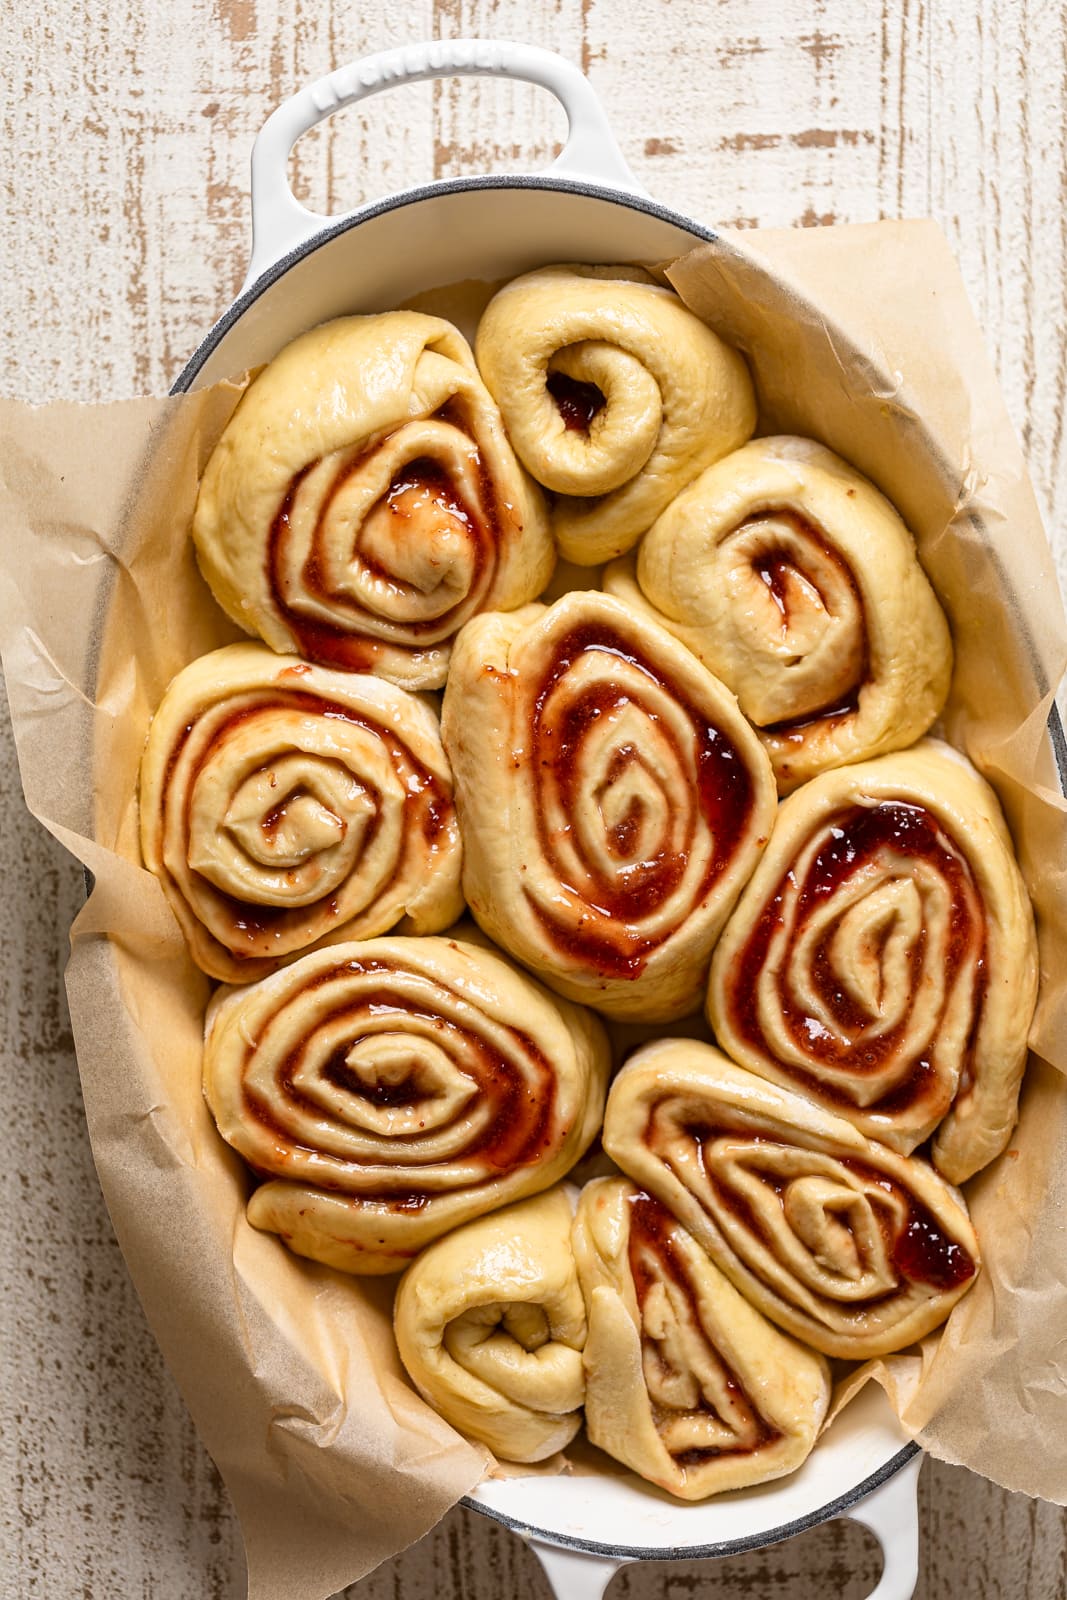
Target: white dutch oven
[586,207]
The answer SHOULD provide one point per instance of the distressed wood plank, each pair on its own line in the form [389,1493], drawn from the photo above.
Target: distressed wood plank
[129,130]
[105,1487]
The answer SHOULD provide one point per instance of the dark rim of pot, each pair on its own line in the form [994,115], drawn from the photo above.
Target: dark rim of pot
[332,230]
[696,1552]
[634,202]
[428,191]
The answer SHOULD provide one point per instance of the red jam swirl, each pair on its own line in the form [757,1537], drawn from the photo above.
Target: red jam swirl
[357,643]
[608,939]
[920,1250]
[577,402]
[516,1085]
[428,805]
[854,838]
[652,1230]
[923,1253]
[774,567]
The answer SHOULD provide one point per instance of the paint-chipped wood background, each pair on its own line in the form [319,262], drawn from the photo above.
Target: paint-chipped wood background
[128,126]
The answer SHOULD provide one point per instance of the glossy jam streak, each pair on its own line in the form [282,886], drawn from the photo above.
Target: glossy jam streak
[337,1071]
[516,1084]
[636,889]
[428,806]
[274,818]
[921,1251]
[725,790]
[320,641]
[608,939]
[652,1229]
[703,1137]
[577,402]
[773,568]
[924,1254]
[797,728]
[854,838]
[419,487]
[356,641]
[624,833]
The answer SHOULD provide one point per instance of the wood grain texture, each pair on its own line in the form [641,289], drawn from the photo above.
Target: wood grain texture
[128,129]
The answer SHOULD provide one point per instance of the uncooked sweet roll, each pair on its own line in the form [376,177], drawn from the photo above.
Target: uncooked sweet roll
[490,1325]
[685,1382]
[798,585]
[363,501]
[614,396]
[395,1088]
[283,805]
[846,1245]
[883,959]
[612,798]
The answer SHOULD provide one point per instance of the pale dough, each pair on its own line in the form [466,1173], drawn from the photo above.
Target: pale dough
[685,1381]
[846,1245]
[284,806]
[490,1325]
[363,501]
[674,397]
[612,798]
[795,581]
[898,978]
[398,1087]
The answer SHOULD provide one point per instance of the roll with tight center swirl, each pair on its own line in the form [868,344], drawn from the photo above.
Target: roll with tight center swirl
[883,959]
[846,1245]
[283,805]
[395,1088]
[795,581]
[363,501]
[490,1325]
[612,798]
[614,395]
[685,1381]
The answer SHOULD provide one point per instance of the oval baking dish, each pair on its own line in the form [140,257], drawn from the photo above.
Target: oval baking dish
[585,207]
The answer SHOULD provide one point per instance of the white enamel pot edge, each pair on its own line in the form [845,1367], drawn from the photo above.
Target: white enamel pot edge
[885,1503]
[306,269]
[280,223]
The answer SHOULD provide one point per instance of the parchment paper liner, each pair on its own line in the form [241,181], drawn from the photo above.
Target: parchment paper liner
[861,337]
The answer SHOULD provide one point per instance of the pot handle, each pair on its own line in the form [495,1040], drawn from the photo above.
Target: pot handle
[892,1515]
[573,1575]
[280,223]
[891,1512]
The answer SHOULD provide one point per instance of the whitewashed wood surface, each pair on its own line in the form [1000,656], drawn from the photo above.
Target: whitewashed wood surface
[127,131]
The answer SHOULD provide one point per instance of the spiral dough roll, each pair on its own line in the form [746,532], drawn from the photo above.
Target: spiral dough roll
[283,805]
[363,501]
[846,1245]
[883,958]
[490,1325]
[798,585]
[614,396]
[612,798]
[395,1088]
[685,1381]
